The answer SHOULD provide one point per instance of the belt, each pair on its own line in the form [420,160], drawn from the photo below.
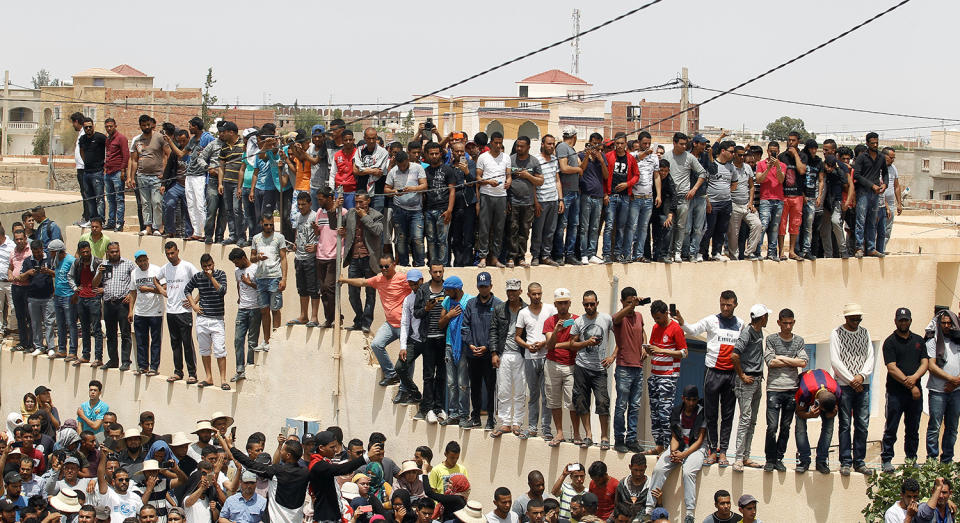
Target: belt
[643,196]
[114,300]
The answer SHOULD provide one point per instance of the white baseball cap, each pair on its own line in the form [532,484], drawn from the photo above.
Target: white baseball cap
[758,310]
[562,294]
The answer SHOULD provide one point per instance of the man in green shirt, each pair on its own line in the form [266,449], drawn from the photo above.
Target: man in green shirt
[97,240]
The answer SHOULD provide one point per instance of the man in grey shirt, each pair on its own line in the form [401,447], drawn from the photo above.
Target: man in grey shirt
[682,164]
[719,186]
[406,181]
[786,357]
[568,162]
[742,209]
[526,177]
[748,364]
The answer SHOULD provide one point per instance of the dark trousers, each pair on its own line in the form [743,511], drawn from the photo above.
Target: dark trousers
[483,384]
[781,406]
[83,195]
[434,374]
[147,331]
[326,279]
[115,317]
[181,341]
[89,312]
[462,227]
[216,206]
[405,367]
[718,220]
[286,226]
[719,400]
[362,310]
[24,329]
[901,403]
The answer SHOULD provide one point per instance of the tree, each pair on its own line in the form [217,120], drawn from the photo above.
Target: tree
[41,141]
[207,114]
[883,490]
[405,133]
[43,79]
[781,127]
[306,118]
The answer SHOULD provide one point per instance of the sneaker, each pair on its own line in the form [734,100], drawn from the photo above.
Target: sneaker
[633,446]
[699,258]
[238,377]
[802,469]
[584,261]
[401,397]
[607,259]
[810,256]
[37,352]
[780,466]
[442,415]
[858,254]
[689,519]
[677,258]
[887,467]
[620,447]
[570,260]
[845,470]
[450,421]
[771,257]
[119,228]
[769,467]
[229,241]
[823,468]
[84,224]
[51,354]
[721,258]
[550,262]
[419,416]
[125,367]
[431,417]
[491,424]
[596,260]
[865,470]
[534,262]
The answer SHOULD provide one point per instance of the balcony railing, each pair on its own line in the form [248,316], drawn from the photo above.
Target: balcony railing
[24,126]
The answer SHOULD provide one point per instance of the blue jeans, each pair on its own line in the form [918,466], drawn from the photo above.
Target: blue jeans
[770,212]
[173,197]
[590,207]
[408,227]
[268,293]
[246,215]
[93,188]
[696,225]
[866,230]
[42,319]
[66,323]
[212,227]
[246,326]
[944,409]
[629,382]
[458,385]
[855,407]
[882,222]
[147,331]
[565,236]
[385,335]
[436,233]
[114,196]
[153,203]
[823,444]
[806,227]
[89,311]
[636,234]
[613,231]
[314,202]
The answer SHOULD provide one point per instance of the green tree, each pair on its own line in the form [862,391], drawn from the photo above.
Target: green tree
[43,79]
[41,141]
[883,490]
[207,114]
[405,133]
[781,127]
[306,119]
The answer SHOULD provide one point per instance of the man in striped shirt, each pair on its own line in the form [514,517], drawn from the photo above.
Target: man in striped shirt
[668,345]
[212,284]
[232,151]
[548,205]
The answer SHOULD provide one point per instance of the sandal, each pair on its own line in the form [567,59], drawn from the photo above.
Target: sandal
[723,463]
[175,377]
[291,323]
[497,433]
[555,442]
[752,464]
[586,443]
[203,384]
[151,373]
[516,431]
[604,444]
[711,459]
[738,466]
[224,387]
[577,441]
[191,380]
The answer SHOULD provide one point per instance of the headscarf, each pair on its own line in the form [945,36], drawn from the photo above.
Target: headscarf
[14,420]
[375,472]
[70,423]
[167,453]
[23,405]
[66,437]
[404,496]
[456,484]
[940,336]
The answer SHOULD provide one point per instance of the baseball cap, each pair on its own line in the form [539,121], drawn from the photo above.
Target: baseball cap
[248,477]
[12,477]
[308,439]
[317,129]
[484,279]
[40,390]
[139,253]
[691,391]
[70,460]
[453,282]
[590,499]
[758,310]
[659,513]
[745,500]
[569,131]
[55,245]
[699,138]
[414,275]
[562,294]
[103,513]
[903,313]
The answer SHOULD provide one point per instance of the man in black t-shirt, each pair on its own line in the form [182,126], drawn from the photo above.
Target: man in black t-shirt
[905,355]
[438,206]
[796,162]
[812,187]
[93,146]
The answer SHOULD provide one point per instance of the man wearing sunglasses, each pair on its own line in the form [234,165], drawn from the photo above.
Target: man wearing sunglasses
[852,358]
[93,146]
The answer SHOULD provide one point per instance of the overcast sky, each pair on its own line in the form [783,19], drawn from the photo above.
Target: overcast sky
[363,52]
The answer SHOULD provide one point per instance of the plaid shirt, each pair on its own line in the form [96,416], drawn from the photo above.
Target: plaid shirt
[116,285]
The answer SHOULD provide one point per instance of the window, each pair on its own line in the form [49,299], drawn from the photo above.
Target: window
[633,113]
[951,166]
[90,111]
[524,91]
[925,165]
[98,82]
[494,103]
[575,94]
[56,112]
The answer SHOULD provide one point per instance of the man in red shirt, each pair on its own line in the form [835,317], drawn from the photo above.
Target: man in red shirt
[629,355]
[770,174]
[24,435]
[88,275]
[559,365]
[668,345]
[818,396]
[116,158]
[604,487]
[345,170]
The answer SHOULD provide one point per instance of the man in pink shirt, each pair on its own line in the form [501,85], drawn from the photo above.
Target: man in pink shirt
[392,287]
[770,174]
[325,225]
[18,289]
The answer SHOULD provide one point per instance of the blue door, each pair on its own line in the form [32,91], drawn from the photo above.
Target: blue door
[693,367]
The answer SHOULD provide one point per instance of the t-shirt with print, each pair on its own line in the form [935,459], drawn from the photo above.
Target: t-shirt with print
[532,324]
[434,314]
[440,475]
[378,159]
[629,337]
[648,167]
[792,183]
[494,168]
[562,334]
[148,303]
[620,169]
[591,183]
[908,354]
[811,180]
[670,337]
[149,154]
[718,183]
[439,179]
[177,277]
[742,174]
[392,291]
[246,294]
[521,190]
[269,247]
[93,413]
[599,326]
[409,178]
[122,506]
[569,182]
[305,235]
[783,378]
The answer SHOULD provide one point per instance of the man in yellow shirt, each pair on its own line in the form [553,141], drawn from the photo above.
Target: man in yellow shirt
[449,467]
[97,240]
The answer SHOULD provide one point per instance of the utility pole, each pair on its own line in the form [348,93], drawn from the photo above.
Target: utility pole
[684,99]
[575,65]
[6,112]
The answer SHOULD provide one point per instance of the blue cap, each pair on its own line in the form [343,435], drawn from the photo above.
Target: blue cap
[484,280]
[414,275]
[139,253]
[453,282]
[659,513]
[699,138]
[317,129]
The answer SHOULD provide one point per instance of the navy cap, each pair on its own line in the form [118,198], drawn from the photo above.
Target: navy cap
[484,279]
[699,138]
[903,313]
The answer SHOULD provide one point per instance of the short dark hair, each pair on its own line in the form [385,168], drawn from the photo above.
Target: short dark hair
[401,157]
[376,437]
[293,447]
[658,307]
[871,135]
[206,257]
[720,494]
[525,139]
[109,120]
[638,459]
[830,141]
[430,146]
[181,132]
[304,196]
[355,442]
[535,503]
[95,383]
[238,253]
[679,136]
[664,163]
[793,134]
[170,245]
[414,145]
[496,134]
[785,313]
[627,292]
[197,122]
[83,244]
[597,469]
[829,402]
[387,256]
[337,433]
[337,122]
[453,447]
[78,117]
[728,295]
[910,485]
[87,119]
[501,491]
[144,118]
[550,504]
[425,451]
[642,135]
[346,132]
[427,503]
[481,139]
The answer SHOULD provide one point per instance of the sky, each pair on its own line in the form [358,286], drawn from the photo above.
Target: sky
[377,52]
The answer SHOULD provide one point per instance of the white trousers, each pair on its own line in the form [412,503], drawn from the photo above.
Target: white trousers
[511,389]
[210,337]
[8,316]
[196,189]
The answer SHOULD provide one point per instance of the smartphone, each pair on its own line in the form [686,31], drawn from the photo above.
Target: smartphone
[645,301]
[646,346]
[365,509]
[573,468]
[285,431]
[233,433]
[673,309]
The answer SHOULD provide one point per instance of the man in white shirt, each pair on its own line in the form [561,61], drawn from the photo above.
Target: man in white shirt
[177,273]
[529,335]
[123,502]
[247,324]
[146,312]
[548,205]
[892,204]
[905,510]
[409,342]
[493,174]
[852,358]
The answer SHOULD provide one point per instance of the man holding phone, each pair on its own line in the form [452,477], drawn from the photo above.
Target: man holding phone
[590,334]
[667,347]
[629,355]
[558,367]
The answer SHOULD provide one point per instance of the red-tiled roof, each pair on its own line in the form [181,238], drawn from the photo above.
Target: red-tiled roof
[553,76]
[126,70]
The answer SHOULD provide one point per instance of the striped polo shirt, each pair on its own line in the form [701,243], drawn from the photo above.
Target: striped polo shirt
[211,299]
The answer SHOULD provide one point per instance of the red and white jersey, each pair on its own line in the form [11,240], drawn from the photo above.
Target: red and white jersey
[722,334]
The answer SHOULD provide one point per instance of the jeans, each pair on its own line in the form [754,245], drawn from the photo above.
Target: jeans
[264,203]
[568,223]
[246,326]
[770,213]
[823,444]
[89,311]
[362,310]
[679,227]
[93,183]
[717,222]
[855,407]
[901,403]
[806,228]
[461,234]
[544,226]
[832,225]
[590,209]
[635,236]
[215,221]
[83,194]
[690,470]
[490,222]
[618,210]
[629,383]
[174,198]
[781,405]
[408,227]
[882,228]
[944,409]
[662,237]
[147,331]
[458,383]
[246,215]
[385,335]
[405,368]
[43,318]
[521,220]
[748,400]
[113,186]
[149,189]
[436,234]
[696,225]
[537,411]
[866,230]
[66,323]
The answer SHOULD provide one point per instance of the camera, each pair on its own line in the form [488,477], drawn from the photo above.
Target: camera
[428,126]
